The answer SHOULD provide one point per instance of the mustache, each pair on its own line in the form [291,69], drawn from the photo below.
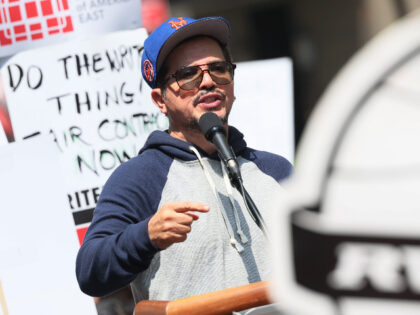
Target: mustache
[202,93]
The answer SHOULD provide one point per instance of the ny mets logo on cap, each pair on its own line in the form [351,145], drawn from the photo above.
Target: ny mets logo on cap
[148,70]
[178,24]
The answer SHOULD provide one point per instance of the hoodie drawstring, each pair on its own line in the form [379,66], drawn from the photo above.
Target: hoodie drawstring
[222,210]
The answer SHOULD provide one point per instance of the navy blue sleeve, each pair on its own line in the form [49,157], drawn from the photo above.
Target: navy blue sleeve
[271,164]
[117,245]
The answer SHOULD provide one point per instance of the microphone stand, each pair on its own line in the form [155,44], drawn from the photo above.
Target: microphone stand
[250,205]
[236,180]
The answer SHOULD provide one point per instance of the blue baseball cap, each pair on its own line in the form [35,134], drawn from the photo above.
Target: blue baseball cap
[171,33]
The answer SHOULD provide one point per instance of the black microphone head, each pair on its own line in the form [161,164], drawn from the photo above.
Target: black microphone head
[209,124]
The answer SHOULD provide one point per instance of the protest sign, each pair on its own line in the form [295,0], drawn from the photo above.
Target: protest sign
[38,244]
[263,109]
[26,24]
[90,99]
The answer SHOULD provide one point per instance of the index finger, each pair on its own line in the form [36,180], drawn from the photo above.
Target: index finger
[184,206]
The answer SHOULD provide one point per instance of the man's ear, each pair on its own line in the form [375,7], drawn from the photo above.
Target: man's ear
[157,98]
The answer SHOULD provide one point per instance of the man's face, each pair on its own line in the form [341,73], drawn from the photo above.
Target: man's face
[184,108]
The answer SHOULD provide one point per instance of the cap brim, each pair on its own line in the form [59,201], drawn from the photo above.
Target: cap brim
[215,27]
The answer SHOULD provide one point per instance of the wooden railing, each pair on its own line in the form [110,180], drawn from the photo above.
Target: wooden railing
[213,303]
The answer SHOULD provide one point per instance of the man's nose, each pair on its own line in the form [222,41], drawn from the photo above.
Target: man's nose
[207,79]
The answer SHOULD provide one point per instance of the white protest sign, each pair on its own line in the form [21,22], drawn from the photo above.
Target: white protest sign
[38,244]
[90,98]
[25,24]
[263,109]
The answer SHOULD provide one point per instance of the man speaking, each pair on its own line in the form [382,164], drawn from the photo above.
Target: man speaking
[170,222]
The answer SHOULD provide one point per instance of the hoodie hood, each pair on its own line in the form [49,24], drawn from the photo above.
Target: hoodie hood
[162,141]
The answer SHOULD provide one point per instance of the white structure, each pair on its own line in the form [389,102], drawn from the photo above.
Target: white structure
[353,203]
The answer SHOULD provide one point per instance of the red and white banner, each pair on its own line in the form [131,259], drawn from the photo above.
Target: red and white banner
[26,24]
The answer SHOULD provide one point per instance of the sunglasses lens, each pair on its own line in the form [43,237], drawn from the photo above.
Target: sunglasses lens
[188,77]
[221,72]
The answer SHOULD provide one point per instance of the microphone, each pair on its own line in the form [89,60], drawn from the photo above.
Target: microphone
[214,131]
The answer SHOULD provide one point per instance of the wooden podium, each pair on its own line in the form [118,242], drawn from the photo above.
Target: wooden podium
[213,303]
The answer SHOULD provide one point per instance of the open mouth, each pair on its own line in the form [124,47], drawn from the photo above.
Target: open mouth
[210,100]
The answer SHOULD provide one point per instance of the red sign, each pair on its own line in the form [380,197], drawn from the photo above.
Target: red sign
[30,20]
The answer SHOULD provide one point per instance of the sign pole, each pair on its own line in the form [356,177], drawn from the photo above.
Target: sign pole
[3,302]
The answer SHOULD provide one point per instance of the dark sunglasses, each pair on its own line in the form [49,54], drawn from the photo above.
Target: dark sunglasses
[189,78]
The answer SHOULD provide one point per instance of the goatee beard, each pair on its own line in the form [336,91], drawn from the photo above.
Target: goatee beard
[193,125]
